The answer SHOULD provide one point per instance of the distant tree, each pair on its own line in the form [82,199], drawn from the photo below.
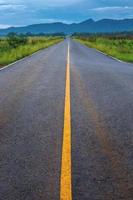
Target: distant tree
[29,34]
[15,40]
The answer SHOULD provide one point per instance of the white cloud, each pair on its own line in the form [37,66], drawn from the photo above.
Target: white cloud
[53,2]
[40,2]
[2,26]
[112,8]
[52,20]
[11,7]
[6,2]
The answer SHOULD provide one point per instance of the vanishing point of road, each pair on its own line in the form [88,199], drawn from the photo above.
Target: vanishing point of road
[66,126]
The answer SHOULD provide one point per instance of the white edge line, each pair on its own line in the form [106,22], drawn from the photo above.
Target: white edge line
[25,57]
[21,59]
[105,54]
[112,57]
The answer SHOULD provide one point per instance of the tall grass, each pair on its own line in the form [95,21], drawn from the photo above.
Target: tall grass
[9,54]
[121,48]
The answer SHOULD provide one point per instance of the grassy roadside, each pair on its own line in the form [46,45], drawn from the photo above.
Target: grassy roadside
[116,47]
[13,49]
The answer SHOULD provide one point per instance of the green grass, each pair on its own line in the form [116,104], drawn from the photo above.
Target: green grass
[119,48]
[9,54]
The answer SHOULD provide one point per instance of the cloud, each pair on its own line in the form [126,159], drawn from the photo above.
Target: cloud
[11,5]
[52,20]
[7,2]
[113,12]
[4,7]
[2,26]
[112,8]
[54,3]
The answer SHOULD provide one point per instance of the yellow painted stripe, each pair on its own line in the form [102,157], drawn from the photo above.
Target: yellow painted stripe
[66,185]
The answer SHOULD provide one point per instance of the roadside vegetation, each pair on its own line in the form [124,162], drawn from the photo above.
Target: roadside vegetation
[119,45]
[14,47]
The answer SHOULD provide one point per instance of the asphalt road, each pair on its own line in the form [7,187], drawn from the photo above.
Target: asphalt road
[32,96]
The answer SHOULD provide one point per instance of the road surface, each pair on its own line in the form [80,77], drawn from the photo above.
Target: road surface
[66,126]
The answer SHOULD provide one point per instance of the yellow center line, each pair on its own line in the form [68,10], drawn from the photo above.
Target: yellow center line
[66,185]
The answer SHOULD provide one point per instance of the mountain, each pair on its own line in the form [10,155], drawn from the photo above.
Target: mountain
[88,26]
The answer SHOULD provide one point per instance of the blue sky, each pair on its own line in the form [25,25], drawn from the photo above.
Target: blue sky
[24,12]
